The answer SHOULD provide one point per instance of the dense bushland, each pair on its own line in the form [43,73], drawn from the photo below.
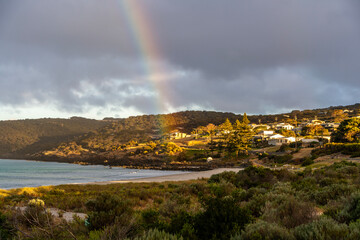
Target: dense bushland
[255,203]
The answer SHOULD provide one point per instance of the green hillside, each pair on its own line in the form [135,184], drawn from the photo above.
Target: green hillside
[26,136]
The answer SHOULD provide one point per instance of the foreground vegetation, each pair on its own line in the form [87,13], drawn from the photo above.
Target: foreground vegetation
[256,203]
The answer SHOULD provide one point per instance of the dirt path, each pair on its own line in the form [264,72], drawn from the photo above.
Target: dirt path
[304,152]
[68,216]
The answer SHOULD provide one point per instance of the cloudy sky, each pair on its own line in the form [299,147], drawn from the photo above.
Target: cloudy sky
[89,58]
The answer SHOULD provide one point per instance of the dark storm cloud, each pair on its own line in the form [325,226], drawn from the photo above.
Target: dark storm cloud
[251,55]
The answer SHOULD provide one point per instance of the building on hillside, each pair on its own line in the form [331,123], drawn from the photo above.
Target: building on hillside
[281,141]
[265,133]
[276,136]
[284,126]
[331,126]
[317,122]
[297,130]
[306,142]
[177,135]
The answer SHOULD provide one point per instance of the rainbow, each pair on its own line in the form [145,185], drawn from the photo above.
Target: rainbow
[147,45]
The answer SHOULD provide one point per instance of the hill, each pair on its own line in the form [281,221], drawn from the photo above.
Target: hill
[23,137]
[29,136]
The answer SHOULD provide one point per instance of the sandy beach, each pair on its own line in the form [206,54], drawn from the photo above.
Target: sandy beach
[171,178]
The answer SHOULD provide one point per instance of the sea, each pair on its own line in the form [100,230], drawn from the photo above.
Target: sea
[23,173]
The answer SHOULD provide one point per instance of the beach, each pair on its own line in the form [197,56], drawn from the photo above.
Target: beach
[170,178]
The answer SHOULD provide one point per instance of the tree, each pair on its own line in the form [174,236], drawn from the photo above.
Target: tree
[226,127]
[198,130]
[348,131]
[210,129]
[242,138]
[314,130]
[245,119]
[338,115]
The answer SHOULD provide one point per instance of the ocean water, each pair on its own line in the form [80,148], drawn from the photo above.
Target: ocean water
[23,173]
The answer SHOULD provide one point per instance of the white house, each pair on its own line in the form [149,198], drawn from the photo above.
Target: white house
[265,133]
[284,126]
[309,140]
[276,136]
[280,141]
[177,135]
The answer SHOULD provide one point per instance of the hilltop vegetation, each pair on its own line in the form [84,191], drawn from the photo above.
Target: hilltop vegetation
[29,136]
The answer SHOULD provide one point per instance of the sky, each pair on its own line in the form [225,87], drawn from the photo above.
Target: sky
[118,58]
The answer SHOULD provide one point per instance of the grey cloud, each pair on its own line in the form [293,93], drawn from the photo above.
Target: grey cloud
[252,55]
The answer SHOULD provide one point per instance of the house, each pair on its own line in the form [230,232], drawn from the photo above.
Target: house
[307,142]
[284,126]
[177,135]
[287,127]
[331,126]
[281,141]
[298,130]
[265,133]
[317,122]
[276,136]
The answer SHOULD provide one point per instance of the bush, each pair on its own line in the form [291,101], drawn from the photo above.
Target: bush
[281,158]
[262,230]
[107,209]
[255,176]
[224,176]
[308,161]
[354,230]
[155,234]
[346,148]
[151,219]
[351,210]
[323,228]
[221,219]
[288,211]
[5,228]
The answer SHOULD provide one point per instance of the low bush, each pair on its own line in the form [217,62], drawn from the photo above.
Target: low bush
[262,230]
[107,209]
[323,228]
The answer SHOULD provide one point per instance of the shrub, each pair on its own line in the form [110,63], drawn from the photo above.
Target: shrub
[351,210]
[224,176]
[288,211]
[106,209]
[281,158]
[308,161]
[354,231]
[323,228]
[221,219]
[255,176]
[155,234]
[5,227]
[262,230]
[151,219]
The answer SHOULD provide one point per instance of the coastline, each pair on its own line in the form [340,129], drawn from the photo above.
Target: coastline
[140,163]
[168,178]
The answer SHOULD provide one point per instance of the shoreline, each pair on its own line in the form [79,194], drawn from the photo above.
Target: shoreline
[164,166]
[173,177]
[168,178]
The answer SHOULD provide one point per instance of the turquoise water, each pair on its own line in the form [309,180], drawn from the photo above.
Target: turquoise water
[22,173]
